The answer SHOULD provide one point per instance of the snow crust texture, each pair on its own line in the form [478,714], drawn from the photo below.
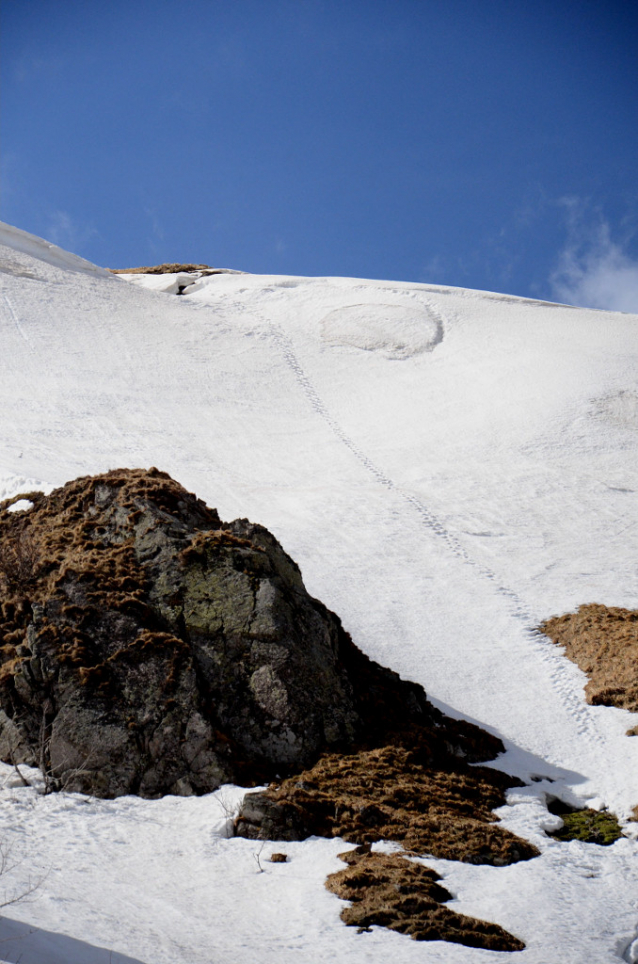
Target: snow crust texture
[447,479]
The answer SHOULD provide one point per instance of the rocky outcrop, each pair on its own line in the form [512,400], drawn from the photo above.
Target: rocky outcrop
[148,647]
[173,268]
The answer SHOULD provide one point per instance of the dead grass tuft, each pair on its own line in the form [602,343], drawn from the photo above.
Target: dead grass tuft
[74,546]
[163,269]
[389,794]
[603,641]
[404,896]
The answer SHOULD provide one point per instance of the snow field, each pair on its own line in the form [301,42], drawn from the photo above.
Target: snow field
[448,468]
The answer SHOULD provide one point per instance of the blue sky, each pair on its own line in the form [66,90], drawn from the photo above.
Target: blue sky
[481,143]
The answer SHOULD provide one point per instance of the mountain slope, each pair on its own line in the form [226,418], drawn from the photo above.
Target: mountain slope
[448,468]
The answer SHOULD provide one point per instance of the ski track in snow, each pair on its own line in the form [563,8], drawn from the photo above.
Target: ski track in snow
[16,321]
[568,691]
[570,696]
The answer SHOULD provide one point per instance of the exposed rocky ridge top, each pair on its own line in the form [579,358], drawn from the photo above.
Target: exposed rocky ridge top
[164,269]
[148,647]
[203,270]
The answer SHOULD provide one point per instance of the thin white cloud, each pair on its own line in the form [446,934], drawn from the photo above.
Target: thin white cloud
[29,69]
[67,232]
[61,229]
[156,225]
[593,271]
[433,271]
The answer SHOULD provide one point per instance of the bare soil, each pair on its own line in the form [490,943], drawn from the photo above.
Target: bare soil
[603,641]
[404,896]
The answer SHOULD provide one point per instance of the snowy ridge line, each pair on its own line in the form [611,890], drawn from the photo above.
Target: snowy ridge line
[572,701]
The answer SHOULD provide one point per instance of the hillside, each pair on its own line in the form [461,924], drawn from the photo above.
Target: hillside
[449,469]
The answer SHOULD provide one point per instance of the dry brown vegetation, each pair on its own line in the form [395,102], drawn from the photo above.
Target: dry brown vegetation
[392,793]
[404,896]
[37,553]
[59,570]
[603,641]
[164,269]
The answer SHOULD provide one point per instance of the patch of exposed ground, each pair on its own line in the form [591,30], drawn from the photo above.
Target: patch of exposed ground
[392,793]
[404,896]
[590,826]
[165,269]
[603,641]
[412,785]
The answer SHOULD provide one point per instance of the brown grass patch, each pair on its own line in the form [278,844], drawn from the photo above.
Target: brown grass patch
[389,794]
[404,896]
[164,269]
[62,541]
[603,641]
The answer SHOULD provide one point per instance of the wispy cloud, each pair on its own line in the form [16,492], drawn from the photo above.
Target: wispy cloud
[61,229]
[594,271]
[433,271]
[69,233]
[31,69]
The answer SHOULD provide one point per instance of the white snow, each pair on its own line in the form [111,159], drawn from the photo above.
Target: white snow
[17,240]
[448,467]
[20,505]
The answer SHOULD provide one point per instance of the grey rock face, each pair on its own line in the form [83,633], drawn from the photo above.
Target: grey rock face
[261,818]
[149,648]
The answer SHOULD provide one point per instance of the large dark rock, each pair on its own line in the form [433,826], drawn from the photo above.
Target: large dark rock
[147,647]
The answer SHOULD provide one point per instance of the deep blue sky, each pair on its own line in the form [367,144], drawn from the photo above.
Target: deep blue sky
[482,143]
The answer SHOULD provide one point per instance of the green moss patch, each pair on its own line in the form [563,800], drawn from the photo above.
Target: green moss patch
[590,826]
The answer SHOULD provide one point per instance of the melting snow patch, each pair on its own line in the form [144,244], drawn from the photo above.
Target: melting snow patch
[20,506]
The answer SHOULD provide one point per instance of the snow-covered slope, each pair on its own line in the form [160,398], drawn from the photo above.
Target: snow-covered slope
[448,467]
